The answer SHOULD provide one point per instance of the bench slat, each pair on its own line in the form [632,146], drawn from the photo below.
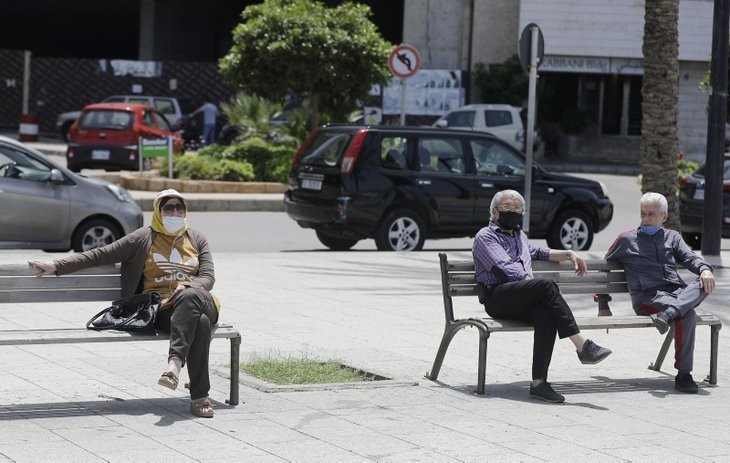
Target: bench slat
[66,295]
[591,277]
[539,265]
[80,335]
[65,282]
[26,270]
[596,323]
[577,288]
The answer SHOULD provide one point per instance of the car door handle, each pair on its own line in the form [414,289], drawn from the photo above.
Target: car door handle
[423,181]
[486,185]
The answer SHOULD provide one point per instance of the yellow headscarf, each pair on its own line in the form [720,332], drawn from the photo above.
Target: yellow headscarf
[157,212]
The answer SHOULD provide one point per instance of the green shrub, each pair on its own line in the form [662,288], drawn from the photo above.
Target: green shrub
[197,167]
[271,161]
[213,151]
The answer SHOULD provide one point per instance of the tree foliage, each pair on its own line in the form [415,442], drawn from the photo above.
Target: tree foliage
[330,56]
[503,83]
[659,92]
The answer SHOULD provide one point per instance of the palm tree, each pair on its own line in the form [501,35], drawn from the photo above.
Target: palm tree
[659,140]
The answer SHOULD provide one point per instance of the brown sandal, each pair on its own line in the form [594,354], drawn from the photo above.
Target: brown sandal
[203,408]
[169,380]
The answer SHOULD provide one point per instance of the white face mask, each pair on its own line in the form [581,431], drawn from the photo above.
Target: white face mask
[172,223]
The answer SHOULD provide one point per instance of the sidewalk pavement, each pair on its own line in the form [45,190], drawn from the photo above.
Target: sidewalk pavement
[381,312]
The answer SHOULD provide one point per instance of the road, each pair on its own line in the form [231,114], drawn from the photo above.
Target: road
[274,231]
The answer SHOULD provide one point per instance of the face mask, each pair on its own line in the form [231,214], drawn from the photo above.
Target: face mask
[172,223]
[509,220]
[649,229]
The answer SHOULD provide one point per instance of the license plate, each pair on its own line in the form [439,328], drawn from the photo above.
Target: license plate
[699,194]
[311,184]
[100,155]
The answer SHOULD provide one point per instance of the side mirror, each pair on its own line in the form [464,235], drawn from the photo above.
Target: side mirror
[56,177]
[442,123]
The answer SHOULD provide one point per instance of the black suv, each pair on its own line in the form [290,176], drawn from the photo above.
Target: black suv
[401,185]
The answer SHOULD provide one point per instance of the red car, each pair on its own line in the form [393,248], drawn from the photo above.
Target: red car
[106,136]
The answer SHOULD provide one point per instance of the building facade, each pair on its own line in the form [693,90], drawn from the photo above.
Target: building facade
[592,59]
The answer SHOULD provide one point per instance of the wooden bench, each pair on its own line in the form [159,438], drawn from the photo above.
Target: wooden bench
[19,284]
[458,279]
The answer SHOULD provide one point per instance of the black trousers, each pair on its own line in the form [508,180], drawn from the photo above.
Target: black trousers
[189,323]
[539,302]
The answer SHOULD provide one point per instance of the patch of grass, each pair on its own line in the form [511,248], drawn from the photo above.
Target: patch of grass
[303,370]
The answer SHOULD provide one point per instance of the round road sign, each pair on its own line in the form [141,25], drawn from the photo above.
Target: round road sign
[404,61]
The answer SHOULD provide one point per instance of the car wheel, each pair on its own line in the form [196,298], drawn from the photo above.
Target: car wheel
[571,230]
[694,240]
[93,234]
[401,230]
[335,242]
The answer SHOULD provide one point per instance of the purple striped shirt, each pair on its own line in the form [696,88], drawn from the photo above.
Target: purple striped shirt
[510,255]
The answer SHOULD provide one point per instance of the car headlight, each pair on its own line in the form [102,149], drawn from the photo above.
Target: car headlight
[120,193]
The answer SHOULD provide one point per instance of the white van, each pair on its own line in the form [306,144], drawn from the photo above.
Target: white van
[501,120]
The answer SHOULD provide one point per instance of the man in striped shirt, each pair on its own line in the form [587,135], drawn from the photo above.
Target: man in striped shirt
[503,265]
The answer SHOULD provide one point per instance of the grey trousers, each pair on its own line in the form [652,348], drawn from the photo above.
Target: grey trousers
[681,301]
[189,323]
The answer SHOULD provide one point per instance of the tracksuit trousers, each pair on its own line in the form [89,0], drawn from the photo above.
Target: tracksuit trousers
[680,302]
[189,323]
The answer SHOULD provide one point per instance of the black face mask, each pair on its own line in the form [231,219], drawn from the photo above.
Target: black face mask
[509,220]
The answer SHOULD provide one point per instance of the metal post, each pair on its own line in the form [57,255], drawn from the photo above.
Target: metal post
[530,129]
[712,217]
[402,102]
[26,81]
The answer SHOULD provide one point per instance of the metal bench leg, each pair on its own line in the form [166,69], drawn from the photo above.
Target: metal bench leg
[449,332]
[656,366]
[714,341]
[481,375]
[235,369]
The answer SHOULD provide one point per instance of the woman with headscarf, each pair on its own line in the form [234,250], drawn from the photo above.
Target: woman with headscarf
[175,261]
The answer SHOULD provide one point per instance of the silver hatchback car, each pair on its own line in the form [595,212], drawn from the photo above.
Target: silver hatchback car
[46,206]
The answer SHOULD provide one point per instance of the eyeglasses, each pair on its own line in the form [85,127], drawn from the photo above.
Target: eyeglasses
[170,208]
[508,208]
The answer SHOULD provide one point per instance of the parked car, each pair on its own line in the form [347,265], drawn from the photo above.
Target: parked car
[45,206]
[692,201]
[402,185]
[501,120]
[106,136]
[171,107]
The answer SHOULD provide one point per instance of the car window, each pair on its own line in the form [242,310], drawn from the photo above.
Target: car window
[493,158]
[326,149]
[148,119]
[441,155]
[495,118]
[16,164]
[703,169]
[164,105]
[393,153]
[138,100]
[461,119]
[161,122]
[115,99]
[106,119]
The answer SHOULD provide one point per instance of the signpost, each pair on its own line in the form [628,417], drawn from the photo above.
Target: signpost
[404,62]
[155,148]
[531,47]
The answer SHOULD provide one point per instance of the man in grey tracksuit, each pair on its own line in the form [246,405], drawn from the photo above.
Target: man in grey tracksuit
[650,255]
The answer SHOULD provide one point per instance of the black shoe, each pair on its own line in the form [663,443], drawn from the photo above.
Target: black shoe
[683,382]
[592,353]
[544,391]
[661,321]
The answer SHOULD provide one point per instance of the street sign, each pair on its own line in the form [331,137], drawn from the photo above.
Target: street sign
[525,45]
[404,61]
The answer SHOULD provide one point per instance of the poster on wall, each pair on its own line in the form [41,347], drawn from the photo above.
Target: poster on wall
[430,92]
